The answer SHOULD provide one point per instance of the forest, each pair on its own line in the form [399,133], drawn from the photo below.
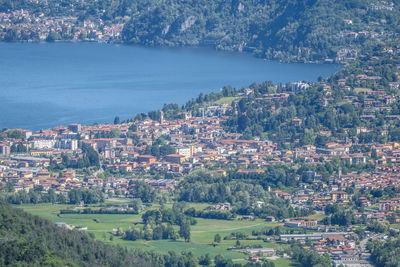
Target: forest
[28,240]
[386,254]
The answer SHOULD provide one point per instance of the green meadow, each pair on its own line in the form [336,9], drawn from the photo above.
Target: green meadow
[202,234]
[227,100]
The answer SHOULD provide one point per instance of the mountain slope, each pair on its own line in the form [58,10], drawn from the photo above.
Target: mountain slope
[292,30]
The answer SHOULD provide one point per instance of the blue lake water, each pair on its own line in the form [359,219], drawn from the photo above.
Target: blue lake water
[44,85]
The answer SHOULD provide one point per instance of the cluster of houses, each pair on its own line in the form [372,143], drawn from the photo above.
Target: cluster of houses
[22,25]
[29,178]
[335,191]
[341,246]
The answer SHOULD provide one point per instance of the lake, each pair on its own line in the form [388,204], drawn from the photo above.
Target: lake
[48,84]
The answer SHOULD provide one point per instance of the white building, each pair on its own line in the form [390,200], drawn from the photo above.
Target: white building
[43,144]
[296,86]
[67,144]
[188,151]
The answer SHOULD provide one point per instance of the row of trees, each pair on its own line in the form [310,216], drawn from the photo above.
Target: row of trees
[151,231]
[210,214]
[158,225]
[38,195]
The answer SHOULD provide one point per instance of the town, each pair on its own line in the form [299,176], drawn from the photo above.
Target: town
[294,173]
[163,152]
[21,25]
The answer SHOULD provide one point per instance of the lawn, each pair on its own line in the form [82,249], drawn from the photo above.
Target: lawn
[283,262]
[226,100]
[202,234]
[360,89]
[105,222]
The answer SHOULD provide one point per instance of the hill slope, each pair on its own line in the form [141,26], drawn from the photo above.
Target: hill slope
[299,30]
[30,240]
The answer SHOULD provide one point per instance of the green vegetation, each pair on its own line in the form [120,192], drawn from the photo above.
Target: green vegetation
[310,258]
[202,234]
[386,254]
[227,100]
[28,240]
[90,159]
[289,30]
[356,107]
[38,195]
[242,190]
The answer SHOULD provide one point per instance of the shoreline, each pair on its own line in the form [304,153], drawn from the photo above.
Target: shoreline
[333,62]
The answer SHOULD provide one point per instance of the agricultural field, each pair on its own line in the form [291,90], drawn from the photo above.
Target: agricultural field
[202,234]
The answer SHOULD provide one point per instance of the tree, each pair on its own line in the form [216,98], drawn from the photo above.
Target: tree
[136,204]
[9,187]
[116,120]
[53,36]
[184,231]
[88,196]
[157,233]
[145,192]
[220,261]
[238,243]
[217,238]
[15,134]
[61,199]
[91,155]
[52,195]
[205,260]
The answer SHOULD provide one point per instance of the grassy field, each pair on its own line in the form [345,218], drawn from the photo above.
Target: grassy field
[226,100]
[283,262]
[202,234]
[360,90]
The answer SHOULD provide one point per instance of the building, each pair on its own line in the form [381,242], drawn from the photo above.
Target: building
[163,184]
[43,144]
[254,258]
[146,159]
[67,144]
[222,206]
[188,151]
[175,158]
[76,128]
[5,149]
[270,218]
[314,236]
[265,252]
[390,205]
[297,122]
[339,196]
[296,86]
[300,224]
[104,143]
